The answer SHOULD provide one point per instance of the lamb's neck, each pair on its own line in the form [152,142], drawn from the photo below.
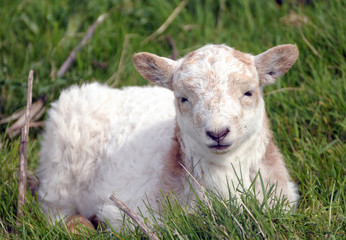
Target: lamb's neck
[218,171]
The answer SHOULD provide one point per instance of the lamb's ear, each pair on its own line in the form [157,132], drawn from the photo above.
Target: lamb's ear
[275,62]
[158,70]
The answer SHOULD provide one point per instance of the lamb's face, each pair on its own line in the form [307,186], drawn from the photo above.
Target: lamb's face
[218,90]
[218,98]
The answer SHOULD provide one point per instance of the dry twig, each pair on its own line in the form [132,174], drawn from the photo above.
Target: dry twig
[133,216]
[235,219]
[73,55]
[171,42]
[220,14]
[5,230]
[14,116]
[165,25]
[310,45]
[37,124]
[114,79]
[24,149]
[36,112]
[259,227]
[193,178]
[284,90]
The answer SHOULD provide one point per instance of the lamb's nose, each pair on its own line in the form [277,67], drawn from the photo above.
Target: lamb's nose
[218,136]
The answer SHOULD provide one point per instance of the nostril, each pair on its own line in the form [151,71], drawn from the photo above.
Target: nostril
[224,133]
[212,135]
[218,136]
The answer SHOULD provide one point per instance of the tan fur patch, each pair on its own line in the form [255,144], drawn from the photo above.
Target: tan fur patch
[250,101]
[198,119]
[255,95]
[173,171]
[241,82]
[188,84]
[211,60]
[179,106]
[191,55]
[243,57]
[273,163]
[223,47]
[192,58]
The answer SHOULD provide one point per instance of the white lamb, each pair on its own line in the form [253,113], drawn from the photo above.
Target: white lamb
[139,143]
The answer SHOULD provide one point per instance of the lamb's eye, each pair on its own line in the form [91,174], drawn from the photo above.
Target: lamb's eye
[184,100]
[248,93]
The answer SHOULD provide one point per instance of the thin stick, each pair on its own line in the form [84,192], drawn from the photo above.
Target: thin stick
[113,81]
[309,44]
[222,4]
[283,90]
[259,227]
[36,112]
[73,55]
[24,149]
[165,25]
[193,178]
[5,231]
[37,124]
[236,221]
[133,216]
[14,116]
[171,42]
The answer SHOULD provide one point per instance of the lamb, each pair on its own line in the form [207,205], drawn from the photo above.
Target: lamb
[205,121]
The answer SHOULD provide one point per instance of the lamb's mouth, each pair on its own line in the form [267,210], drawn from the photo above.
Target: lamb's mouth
[219,147]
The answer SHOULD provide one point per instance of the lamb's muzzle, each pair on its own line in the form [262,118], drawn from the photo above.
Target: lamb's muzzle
[218,136]
[207,121]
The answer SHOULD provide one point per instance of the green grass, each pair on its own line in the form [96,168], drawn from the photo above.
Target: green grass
[306,107]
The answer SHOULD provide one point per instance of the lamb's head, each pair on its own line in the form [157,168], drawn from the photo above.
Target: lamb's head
[218,91]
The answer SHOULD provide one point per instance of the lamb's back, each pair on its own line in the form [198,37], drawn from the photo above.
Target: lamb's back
[98,135]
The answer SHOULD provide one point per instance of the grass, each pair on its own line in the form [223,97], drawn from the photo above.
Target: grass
[306,107]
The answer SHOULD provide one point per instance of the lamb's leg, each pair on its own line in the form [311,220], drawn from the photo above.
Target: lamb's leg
[55,211]
[110,214]
[273,171]
[55,200]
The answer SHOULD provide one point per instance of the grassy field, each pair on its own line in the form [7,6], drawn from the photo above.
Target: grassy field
[306,107]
